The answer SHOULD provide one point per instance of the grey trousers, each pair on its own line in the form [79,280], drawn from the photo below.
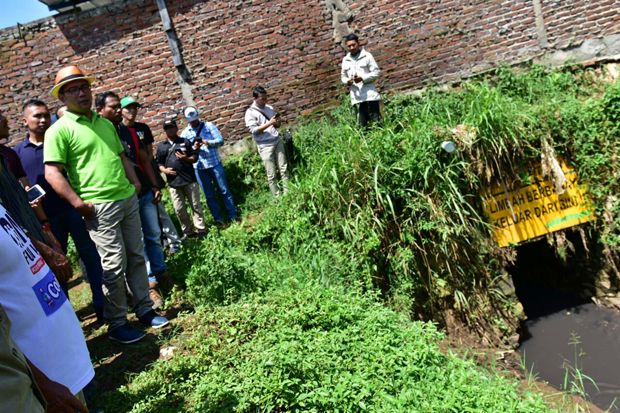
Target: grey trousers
[274,159]
[117,233]
[181,197]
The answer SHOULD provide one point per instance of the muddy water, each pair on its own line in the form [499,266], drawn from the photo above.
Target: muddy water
[564,329]
[595,333]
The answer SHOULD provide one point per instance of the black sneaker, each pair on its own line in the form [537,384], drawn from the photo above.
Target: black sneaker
[126,334]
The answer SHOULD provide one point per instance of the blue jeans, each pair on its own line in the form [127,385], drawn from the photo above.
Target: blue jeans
[206,179]
[153,250]
[71,222]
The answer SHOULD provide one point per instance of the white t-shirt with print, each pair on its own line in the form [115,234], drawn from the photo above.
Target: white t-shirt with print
[43,323]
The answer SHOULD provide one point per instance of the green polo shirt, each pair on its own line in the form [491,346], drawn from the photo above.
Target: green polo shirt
[90,151]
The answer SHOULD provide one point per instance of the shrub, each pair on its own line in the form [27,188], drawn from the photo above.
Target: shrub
[307,347]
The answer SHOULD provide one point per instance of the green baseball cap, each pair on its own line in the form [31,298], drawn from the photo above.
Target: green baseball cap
[128,100]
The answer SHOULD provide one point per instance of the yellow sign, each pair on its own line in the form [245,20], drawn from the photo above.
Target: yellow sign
[536,209]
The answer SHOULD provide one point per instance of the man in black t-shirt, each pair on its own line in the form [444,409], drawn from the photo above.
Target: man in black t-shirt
[134,135]
[175,157]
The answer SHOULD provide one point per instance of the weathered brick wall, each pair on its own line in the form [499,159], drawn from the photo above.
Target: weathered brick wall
[229,46]
[571,22]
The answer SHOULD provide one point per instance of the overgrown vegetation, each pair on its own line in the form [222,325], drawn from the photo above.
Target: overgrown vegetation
[307,347]
[287,304]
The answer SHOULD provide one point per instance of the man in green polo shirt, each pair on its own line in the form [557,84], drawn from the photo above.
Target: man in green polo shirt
[102,186]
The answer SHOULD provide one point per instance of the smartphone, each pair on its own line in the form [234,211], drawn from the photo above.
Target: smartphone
[35,192]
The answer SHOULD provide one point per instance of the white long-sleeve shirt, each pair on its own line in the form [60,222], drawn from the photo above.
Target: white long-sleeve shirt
[254,118]
[364,66]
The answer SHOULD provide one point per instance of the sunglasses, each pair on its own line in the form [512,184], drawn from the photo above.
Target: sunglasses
[75,90]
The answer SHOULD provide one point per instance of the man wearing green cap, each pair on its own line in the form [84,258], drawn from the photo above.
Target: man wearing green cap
[134,135]
[99,186]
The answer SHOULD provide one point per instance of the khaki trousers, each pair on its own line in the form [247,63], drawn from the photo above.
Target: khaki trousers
[117,233]
[183,195]
[18,391]
[274,159]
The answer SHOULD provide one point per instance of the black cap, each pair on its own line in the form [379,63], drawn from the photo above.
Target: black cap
[169,123]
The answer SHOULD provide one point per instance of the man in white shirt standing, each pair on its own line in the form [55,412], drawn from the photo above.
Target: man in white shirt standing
[262,121]
[360,72]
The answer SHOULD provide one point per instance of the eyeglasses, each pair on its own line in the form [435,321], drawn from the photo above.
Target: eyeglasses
[75,90]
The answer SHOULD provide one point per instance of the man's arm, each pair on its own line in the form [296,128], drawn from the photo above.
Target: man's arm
[58,397]
[131,173]
[143,159]
[373,68]
[58,182]
[186,158]
[148,147]
[344,76]
[160,157]
[217,140]
[189,157]
[252,122]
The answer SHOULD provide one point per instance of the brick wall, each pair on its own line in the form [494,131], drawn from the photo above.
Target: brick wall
[229,46]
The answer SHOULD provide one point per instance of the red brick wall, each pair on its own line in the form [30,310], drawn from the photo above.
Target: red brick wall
[569,23]
[229,46]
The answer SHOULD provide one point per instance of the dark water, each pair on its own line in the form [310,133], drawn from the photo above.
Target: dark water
[565,330]
[595,334]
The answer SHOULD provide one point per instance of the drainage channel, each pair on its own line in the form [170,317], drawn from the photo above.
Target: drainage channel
[566,340]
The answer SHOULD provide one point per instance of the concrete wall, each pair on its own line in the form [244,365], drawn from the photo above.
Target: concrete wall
[291,47]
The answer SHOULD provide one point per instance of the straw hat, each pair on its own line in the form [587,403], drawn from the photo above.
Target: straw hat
[68,74]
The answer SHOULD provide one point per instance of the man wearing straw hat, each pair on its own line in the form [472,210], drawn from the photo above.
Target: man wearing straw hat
[87,147]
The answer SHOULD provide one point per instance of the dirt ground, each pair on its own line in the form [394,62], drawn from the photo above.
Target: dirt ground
[115,363]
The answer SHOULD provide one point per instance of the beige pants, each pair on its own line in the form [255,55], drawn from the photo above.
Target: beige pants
[18,392]
[183,195]
[274,159]
[117,233]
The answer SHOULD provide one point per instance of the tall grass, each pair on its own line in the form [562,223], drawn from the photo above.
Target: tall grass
[387,209]
[289,319]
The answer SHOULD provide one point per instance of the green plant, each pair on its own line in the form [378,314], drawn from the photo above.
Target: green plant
[291,312]
[306,347]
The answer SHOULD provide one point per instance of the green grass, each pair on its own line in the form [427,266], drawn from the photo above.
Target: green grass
[308,304]
[307,347]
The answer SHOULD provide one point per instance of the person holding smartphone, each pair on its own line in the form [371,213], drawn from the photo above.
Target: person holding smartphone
[360,72]
[209,170]
[175,157]
[262,121]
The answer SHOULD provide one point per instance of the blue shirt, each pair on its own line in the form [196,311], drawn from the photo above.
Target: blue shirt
[208,156]
[31,156]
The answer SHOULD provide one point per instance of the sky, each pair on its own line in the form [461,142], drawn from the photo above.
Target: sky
[22,11]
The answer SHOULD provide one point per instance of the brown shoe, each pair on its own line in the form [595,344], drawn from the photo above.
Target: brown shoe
[155,296]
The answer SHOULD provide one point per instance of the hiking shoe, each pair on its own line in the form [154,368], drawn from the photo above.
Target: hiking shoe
[155,296]
[125,334]
[152,319]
